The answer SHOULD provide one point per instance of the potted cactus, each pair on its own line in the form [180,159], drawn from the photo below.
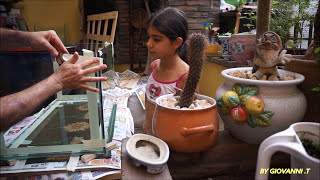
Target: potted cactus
[188,129]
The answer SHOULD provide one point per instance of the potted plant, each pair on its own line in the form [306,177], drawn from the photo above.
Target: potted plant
[243,44]
[292,14]
[310,68]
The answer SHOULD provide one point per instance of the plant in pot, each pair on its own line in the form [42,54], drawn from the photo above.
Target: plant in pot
[310,68]
[187,129]
[255,103]
[243,44]
[289,20]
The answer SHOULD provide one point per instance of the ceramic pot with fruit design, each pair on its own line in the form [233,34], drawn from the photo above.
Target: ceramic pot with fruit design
[252,110]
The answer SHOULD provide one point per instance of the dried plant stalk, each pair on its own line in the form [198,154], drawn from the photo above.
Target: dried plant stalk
[196,55]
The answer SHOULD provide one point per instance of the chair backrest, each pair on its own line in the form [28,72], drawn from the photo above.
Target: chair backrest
[100,28]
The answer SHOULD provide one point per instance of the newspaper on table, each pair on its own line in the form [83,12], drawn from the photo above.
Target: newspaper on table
[14,131]
[124,80]
[75,176]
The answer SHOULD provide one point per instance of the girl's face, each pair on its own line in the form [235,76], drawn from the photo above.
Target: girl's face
[159,45]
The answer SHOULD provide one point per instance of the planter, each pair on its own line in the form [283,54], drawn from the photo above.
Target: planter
[149,151]
[243,47]
[273,107]
[291,141]
[311,71]
[226,46]
[186,130]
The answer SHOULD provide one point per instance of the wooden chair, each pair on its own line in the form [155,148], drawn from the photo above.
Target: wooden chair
[99,30]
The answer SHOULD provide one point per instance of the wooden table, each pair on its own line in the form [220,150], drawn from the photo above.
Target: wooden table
[228,159]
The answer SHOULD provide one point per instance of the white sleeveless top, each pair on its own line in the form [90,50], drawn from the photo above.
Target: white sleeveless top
[156,88]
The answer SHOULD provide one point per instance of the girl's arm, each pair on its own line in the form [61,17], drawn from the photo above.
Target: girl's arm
[183,81]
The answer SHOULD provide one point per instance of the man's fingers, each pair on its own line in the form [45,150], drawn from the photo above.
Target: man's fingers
[51,49]
[94,79]
[95,69]
[57,43]
[89,62]
[74,58]
[87,87]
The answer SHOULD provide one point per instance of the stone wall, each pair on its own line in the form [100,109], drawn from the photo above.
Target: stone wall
[198,13]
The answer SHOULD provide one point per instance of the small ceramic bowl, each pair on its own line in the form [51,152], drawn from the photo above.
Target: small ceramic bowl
[149,151]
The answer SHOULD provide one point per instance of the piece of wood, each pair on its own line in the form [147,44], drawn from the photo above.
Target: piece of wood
[87,157]
[110,146]
[130,171]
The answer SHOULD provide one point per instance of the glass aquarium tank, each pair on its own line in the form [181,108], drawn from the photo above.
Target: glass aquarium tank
[69,125]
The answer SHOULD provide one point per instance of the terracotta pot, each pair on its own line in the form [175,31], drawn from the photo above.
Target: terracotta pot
[284,104]
[311,70]
[243,47]
[190,130]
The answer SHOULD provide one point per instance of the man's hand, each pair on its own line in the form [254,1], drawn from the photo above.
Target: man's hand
[71,75]
[47,40]
[283,57]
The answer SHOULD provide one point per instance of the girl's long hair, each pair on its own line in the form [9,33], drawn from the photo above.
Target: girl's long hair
[172,22]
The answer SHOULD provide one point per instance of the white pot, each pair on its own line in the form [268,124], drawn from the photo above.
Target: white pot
[289,141]
[149,151]
[226,47]
[283,98]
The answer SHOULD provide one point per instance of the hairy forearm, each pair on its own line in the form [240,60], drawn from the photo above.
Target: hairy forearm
[12,39]
[15,107]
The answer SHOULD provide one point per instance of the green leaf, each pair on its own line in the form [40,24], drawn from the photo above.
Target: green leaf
[268,113]
[317,50]
[225,109]
[243,99]
[252,121]
[220,102]
[238,89]
[263,120]
[250,90]
[234,101]
[316,89]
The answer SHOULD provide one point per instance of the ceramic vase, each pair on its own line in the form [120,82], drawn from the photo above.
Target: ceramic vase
[257,108]
[186,130]
[243,47]
[226,47]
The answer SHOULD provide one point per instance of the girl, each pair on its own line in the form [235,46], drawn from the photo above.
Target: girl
[168,31]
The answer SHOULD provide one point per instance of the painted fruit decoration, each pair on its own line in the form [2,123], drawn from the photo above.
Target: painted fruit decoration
[243,105]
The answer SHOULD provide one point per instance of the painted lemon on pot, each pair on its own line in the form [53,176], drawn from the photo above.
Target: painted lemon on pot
[225,97]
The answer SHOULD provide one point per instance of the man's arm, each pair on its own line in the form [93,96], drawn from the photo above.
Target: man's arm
[15,107]
[49,40]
